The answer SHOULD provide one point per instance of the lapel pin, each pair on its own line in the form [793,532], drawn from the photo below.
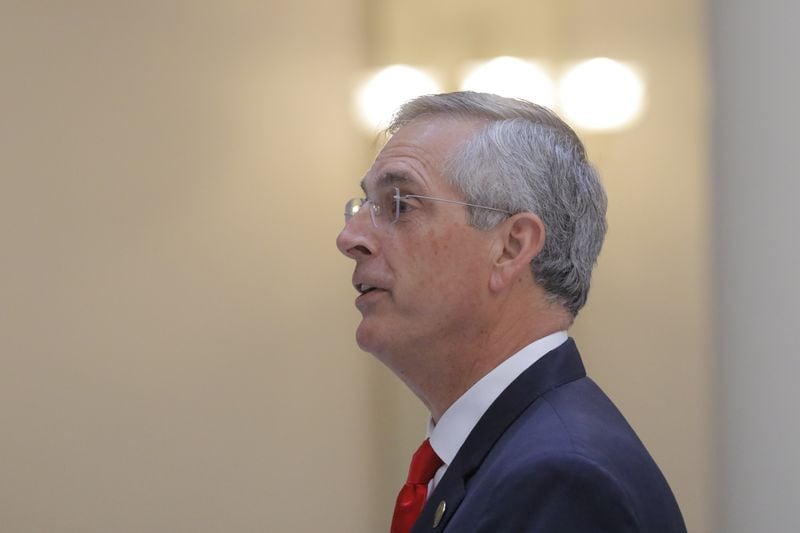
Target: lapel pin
[440,509]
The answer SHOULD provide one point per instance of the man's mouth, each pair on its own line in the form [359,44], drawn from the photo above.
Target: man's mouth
[363,288]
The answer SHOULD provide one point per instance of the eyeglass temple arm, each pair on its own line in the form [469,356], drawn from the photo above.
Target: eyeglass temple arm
[452,202]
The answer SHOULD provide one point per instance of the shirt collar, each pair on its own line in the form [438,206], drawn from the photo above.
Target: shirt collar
[457,422]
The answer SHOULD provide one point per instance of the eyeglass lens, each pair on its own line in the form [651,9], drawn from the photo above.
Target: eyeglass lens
[383,210]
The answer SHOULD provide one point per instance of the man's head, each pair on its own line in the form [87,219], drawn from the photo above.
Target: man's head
[451,278]
[525,158]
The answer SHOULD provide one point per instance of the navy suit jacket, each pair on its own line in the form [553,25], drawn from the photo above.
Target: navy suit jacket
[552,455]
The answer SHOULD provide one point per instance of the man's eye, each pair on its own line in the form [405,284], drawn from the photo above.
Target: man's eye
[404,206]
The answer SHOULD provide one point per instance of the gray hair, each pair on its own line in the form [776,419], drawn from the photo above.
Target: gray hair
[525,158]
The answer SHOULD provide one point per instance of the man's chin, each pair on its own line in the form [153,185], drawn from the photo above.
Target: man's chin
[365,336]
[372,336]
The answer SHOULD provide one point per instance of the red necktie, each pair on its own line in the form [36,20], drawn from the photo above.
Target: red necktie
[412,496]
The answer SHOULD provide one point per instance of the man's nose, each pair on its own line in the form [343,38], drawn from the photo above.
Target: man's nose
[357,238]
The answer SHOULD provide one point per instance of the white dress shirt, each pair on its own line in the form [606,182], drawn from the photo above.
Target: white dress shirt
[448,435]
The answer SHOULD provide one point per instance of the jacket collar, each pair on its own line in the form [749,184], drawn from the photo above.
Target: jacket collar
[558,367]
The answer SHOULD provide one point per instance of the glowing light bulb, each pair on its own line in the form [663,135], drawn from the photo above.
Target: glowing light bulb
[512,77]
[387,89]
[601,94]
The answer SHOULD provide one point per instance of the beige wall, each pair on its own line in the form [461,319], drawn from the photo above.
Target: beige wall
[648,325]
[173,353]
[176,326]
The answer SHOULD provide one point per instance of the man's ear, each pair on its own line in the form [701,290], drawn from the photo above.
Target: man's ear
[521,238]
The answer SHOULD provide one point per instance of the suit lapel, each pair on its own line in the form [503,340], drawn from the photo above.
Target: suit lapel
[556,368]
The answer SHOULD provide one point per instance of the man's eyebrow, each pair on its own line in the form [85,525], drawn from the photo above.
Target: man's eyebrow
[388,179]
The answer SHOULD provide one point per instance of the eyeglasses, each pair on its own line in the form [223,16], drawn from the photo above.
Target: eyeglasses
[389,207]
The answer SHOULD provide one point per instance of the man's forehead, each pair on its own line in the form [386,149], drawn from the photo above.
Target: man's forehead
[418,150]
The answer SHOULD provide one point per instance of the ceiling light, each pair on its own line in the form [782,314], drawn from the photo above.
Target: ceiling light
[513,78]
[601,94]
[389,88]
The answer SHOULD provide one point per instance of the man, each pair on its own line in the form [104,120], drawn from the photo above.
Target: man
[473,253]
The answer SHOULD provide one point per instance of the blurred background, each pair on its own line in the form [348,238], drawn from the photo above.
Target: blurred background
[177,327]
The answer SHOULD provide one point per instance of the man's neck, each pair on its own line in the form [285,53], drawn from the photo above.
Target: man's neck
[458,370]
